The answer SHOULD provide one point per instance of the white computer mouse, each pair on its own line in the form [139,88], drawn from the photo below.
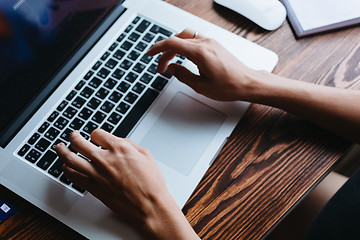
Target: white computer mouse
[268,14]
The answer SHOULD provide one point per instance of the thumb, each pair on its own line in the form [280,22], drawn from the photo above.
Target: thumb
[184,75]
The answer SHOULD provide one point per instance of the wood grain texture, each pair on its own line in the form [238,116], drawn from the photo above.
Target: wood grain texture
[271,159]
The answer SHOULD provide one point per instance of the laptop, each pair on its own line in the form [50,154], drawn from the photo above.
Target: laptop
[81,65]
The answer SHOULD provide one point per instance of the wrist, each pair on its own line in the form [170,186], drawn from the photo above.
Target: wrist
[165,220]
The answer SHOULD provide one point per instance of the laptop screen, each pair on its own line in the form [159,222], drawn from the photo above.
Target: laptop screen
[36,37]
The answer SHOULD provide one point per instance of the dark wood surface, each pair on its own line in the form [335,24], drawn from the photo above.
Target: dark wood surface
[272,158]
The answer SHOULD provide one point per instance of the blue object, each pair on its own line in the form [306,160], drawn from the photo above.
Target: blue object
[7,209]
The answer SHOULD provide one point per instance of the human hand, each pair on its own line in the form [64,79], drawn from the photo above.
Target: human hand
[222,75]
[126,178]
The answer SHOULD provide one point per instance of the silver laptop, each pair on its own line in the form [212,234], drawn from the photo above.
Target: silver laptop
[81,65]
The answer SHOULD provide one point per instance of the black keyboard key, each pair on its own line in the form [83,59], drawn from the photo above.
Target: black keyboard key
[134,37]
[23,150]
[86,136]
[138,88]
[143,26]
[70,112]
[53,116]
[133,55]
[130,97]
[62,106]
[95,82]
[87,92]
[136,20]
[102,93]
[48,158]
[107,127]
[157,29]
[85,113]
[146,58]
[33,156]
[79,189]
[42,144]
[119,54]
[128,28]
[61,123]
[111,63]
[90,126]
[123,108]
[33,138]
[123,87]
[113,47]
[71,95]
[107,106]
[80,85]
[77,123]
[65,180]
[53,146]
[88,75]
[167,74]
[148,37]
[105,56]
[103,73]
[141,46]
[121,37]
[98,117]
[94,103]
[152,68]
[115,96]
[66,134]
[56,168]
[52,133]
[114,118]
[131,77]
[110,83]
[126,64]
[118,74]
[97,65]
[126,45]
[159,83]
[43,127]
[146,78]
[139,67]
[78,102]
[136,113]
[160,38]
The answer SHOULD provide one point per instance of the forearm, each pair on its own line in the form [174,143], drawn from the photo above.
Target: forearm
[337,110]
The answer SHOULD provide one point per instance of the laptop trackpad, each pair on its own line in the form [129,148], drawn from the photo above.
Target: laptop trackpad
[182,133]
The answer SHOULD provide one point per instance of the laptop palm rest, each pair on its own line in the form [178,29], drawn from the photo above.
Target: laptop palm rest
[182,133]
[45,191]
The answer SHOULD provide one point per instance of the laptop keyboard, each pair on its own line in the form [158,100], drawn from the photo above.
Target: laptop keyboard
[113,95]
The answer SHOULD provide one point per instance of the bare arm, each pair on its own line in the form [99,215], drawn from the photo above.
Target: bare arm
[223,77]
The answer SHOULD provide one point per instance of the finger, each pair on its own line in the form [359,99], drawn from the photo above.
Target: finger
[164,60]
[177,45]
[189,33]
[76,177]
[83,146]
[74,161]
[103,138]
[184,75]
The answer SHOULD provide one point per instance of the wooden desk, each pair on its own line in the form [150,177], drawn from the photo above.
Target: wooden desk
[271,160]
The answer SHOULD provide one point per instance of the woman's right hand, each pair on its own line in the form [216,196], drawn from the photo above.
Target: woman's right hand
[222,76]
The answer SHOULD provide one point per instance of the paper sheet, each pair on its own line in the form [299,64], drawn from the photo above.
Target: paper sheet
[318,13]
